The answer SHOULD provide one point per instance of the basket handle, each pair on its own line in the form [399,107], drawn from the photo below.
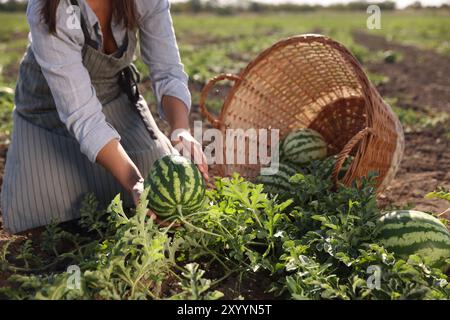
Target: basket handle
[342,156]
[215,122]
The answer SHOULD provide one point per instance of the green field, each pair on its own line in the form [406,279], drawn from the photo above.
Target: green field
[211,44]
[232,41]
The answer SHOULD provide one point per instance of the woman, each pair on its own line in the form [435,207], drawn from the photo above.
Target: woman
[80,124]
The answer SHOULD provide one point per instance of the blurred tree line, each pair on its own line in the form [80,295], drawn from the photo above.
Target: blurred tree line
[254,6]
[13,5]
[214,6]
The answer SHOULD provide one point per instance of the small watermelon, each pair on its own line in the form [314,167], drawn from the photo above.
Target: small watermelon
[278,183]
[303,146]
[176,187]
[408,232]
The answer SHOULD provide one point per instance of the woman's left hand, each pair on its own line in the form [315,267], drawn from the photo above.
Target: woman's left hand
[190,148]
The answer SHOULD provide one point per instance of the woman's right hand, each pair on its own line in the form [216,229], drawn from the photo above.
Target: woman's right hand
[136,192]
[114,158]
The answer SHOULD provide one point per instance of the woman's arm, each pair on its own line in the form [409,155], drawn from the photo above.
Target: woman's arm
[60,59]
[177,116]
[114,158]
[170,82]
[160,53]
[176,113]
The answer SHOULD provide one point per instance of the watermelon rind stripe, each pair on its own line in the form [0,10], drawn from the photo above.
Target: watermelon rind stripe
[433,253]
[412,225]
[156,195]
[163,192]
[403,217]
[171,175]
[302,135]
[410,238]
[397,232]
[279,181]
[160,207]
[177,189]
[186,182]
[196,187]
[311,152]
[406,220]
[162,211]
[418,246]
[163,170]
[300,143]
[196,205]
[279,176]
[416,222]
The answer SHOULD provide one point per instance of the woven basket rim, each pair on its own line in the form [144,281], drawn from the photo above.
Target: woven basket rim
[305,38]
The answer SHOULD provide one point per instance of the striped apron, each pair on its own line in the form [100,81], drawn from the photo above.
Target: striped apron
[46,175]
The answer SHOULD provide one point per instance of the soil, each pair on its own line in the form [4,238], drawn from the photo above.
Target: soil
[420,82]
[420,78]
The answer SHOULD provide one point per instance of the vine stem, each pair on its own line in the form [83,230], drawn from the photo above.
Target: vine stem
[181,217]
[215,256]
[257,217]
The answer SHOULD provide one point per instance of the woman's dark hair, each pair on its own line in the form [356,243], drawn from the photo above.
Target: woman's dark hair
[124,11]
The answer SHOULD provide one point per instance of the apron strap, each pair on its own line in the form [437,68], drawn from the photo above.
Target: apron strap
[87,35]
[129,79]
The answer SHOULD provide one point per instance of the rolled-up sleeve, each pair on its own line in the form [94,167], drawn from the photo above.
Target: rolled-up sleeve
[160,52]
[60,58]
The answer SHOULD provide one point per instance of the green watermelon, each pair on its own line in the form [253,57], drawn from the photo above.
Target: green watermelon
[303,146]
[408,232]
[279,148]
[345,166]
[176,187]
[278,183]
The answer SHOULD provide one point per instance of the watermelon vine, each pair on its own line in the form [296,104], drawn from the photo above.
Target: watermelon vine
[311,244]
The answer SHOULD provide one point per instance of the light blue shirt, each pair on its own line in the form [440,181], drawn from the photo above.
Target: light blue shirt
[60,58]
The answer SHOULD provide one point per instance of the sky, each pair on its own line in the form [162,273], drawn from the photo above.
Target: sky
[400,3]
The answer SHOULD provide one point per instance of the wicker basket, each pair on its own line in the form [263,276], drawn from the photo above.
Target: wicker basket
[311,81]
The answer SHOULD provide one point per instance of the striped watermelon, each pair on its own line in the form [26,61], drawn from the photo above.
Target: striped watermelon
[176,186]
[345,166]
[303,146]
[410,232]
[279,182]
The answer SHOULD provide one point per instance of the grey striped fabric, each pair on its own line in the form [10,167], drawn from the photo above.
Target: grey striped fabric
[46,175]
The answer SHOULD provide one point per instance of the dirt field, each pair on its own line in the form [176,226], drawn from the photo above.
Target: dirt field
[426,162]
